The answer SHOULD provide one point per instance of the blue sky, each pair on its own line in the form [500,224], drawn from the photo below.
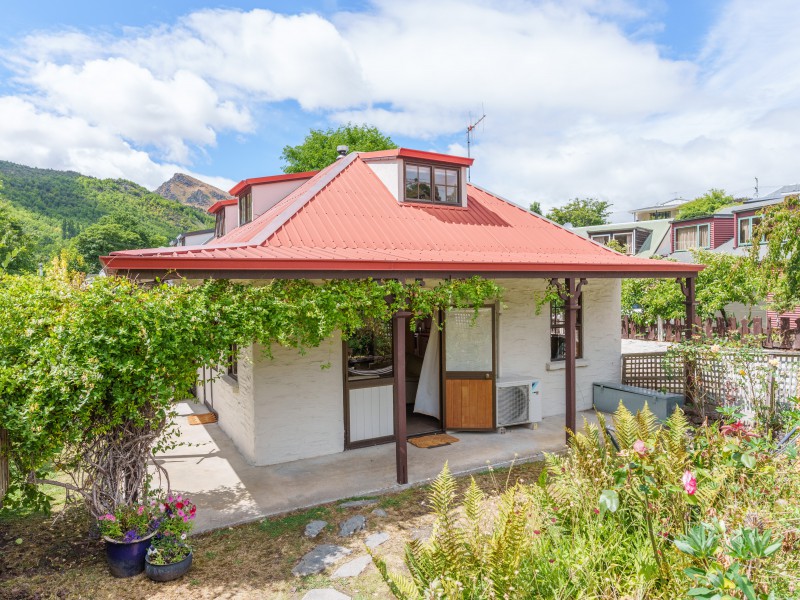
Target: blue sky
[630,101]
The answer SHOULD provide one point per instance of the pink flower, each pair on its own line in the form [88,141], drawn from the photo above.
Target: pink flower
[689,483]
[140,510]
[181,513]
[640,448]
[108,517]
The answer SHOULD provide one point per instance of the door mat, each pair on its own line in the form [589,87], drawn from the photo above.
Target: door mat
[433,441]
[202,419]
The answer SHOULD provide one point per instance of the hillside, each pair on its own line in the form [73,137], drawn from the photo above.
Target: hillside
[190,191]
[52,207]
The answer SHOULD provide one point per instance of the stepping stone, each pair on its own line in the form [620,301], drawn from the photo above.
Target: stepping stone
[353,525]
[318,559]
[314,528]
[379,512]
[359,503]
[352,568]
[376,539]
[325,594]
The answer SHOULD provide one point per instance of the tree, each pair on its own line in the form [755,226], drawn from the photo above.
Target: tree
[581,212]
[536,207]
[112,232]
[779,231]
[707,204]
[318,150]
[15,244]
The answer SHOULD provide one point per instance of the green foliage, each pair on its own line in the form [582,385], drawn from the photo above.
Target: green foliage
[536,207]
[128,523]
[581,212]
[84,363]
[318,150]
[780,231]
[110,233]
[704,205]
[617,246]
[15,245]
[294,523]
[167,550]
[52,207]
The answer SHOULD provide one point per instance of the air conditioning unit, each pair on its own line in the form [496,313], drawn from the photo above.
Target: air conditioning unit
[518,400]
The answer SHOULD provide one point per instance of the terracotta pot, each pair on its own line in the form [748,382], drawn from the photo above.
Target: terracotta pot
[126,559]
[167,572]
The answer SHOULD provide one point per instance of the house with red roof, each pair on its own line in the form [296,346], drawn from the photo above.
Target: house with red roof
[404,214]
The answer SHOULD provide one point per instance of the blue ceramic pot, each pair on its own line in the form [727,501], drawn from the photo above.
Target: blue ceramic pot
[167,572]
[126,559]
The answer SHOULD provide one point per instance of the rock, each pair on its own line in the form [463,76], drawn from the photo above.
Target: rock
[325,594]
[318,559]
[353,525]
[376,539]
[421,534]
[358,503]
[352,568]
[314,528]
[379,512]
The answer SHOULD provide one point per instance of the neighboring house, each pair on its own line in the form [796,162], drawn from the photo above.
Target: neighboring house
[666,210]
[642,238]
[193,238]
[707,232]
[406,214]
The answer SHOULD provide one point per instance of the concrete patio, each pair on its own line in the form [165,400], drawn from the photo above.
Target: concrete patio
[228,491]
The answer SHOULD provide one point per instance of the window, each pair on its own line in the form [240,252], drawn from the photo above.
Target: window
[601,239]
[233,362]
[369,353]
[558,328]
[219,224]
[692,236]
[245,209]
[626,239]
[661,214]
[746,226]
[425,183]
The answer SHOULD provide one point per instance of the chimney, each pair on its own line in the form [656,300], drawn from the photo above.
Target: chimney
[341,151]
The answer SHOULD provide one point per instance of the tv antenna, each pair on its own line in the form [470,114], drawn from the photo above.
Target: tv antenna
[470,128]
[756,178]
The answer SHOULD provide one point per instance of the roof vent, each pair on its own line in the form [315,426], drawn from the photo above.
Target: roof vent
[342,152]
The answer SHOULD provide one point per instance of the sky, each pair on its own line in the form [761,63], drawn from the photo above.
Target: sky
[630,101]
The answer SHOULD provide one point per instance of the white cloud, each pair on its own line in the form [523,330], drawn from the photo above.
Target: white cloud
[576,105]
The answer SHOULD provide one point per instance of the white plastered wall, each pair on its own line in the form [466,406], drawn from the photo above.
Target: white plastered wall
[524,340]
[299,405]
[267,195]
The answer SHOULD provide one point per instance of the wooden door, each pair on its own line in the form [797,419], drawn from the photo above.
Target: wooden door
[469,358]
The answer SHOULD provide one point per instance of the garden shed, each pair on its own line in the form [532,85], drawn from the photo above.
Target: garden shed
[409,215]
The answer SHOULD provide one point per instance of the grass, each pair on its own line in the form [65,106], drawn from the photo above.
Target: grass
[57,560]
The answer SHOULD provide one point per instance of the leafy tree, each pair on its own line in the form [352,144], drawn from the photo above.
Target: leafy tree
[617,246]
[536,207]
[581,212]
[318,150]
[779,231]
[707,204]
[15,244]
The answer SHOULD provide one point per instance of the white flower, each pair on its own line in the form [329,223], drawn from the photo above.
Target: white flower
[774,362]
[183,536]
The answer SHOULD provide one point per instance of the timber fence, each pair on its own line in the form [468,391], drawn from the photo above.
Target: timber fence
[786,336]
[717,380]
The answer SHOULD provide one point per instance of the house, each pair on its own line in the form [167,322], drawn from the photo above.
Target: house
[641,238]
[666,210]
[406,213]
[193,238]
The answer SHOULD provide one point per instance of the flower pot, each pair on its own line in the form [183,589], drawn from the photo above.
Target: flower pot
[167,572]
[126,559]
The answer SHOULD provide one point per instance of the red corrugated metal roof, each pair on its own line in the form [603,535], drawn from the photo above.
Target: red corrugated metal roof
[246,183]
[344,218]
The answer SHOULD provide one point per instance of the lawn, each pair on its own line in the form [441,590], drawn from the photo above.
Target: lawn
[51,557]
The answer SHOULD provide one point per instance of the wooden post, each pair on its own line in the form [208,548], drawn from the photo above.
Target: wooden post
[399,325]
[570,294]
[687,287]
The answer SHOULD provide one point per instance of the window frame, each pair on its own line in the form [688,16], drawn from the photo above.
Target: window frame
[597,238]
[752,221]
[432,167]
[245,208]
[696,243]
[556,324]
[232,363]
[219,223]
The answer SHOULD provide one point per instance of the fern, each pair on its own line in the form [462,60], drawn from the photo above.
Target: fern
[626,427]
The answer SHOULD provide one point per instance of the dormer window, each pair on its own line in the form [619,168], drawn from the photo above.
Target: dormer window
[245,209]
[429,183]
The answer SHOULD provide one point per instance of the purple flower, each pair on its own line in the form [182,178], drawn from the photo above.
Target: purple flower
[130,536]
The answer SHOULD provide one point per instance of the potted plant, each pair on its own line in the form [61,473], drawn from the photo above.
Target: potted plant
[170,556]
[127,532]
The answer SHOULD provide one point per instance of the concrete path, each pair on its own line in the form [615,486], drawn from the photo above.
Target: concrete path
[642,346]
[228,491]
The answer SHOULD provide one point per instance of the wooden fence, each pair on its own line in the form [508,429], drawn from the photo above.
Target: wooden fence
[716,379]
[785,337]
[4,472]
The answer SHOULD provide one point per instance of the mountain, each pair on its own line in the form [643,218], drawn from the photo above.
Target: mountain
[52,207]
[190,191]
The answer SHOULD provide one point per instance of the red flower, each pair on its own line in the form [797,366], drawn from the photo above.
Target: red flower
[179,505]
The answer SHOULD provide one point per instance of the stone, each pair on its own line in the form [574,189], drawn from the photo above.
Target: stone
[376,539]
[314,528]
[325,594]
[379,512]
[318,559]
[358,503]
[352,568]
[421,534]
[353,525]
